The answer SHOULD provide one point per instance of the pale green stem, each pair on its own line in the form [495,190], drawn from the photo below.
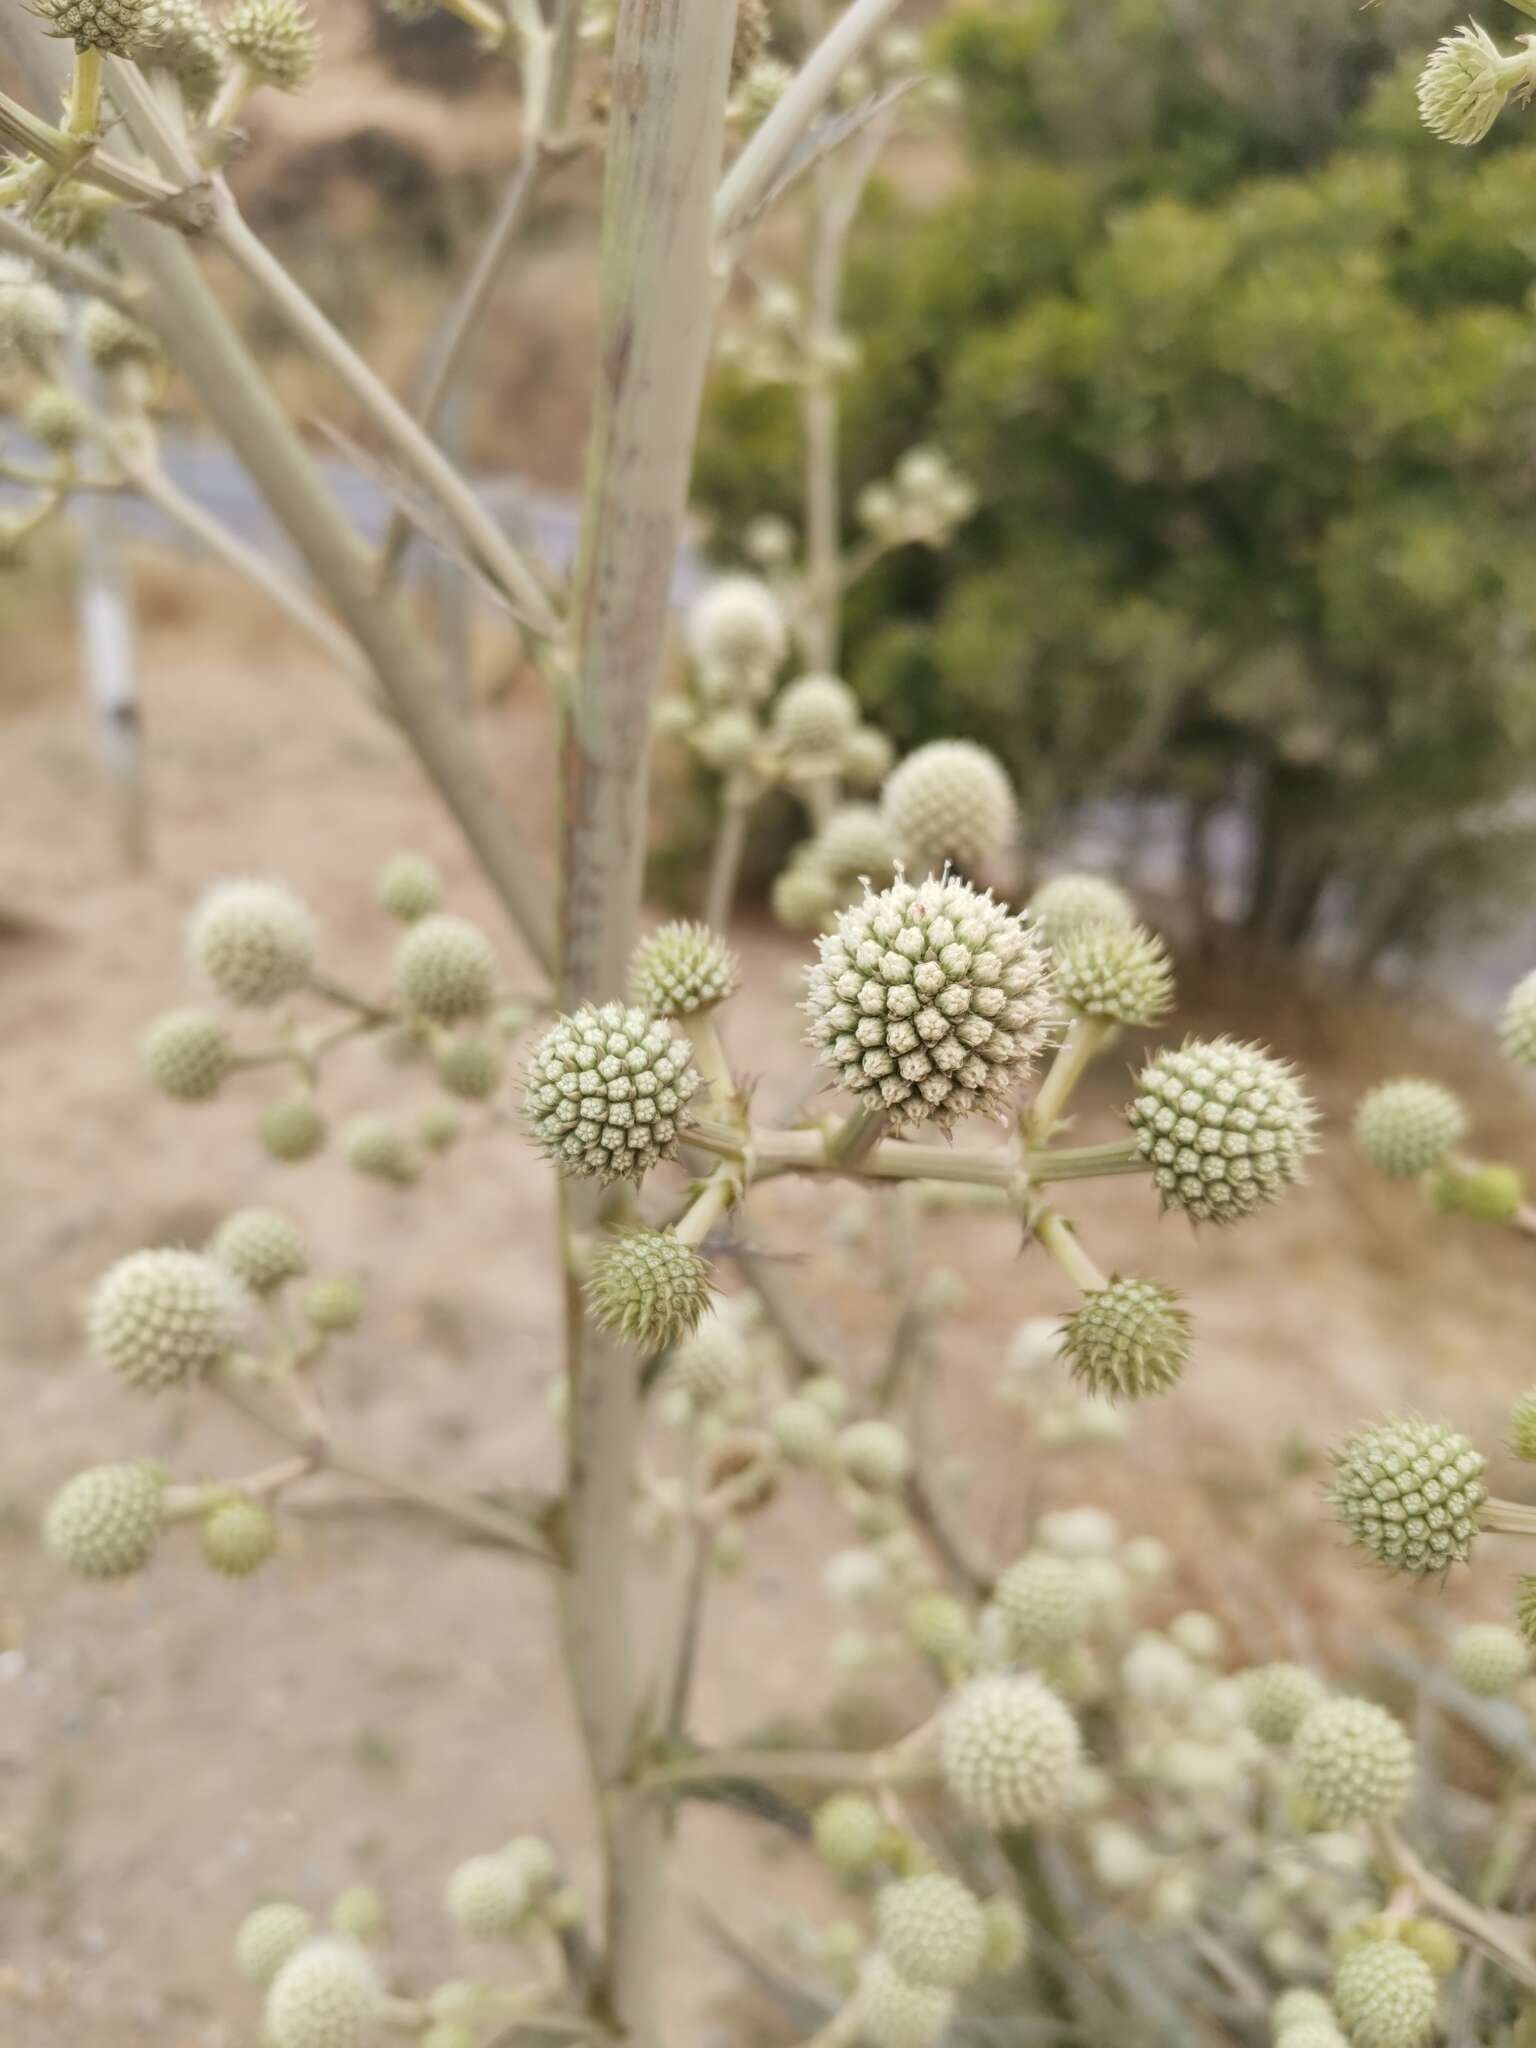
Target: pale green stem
[856,1137]
[703,1035]
[75,272]
[715,1199]
[775,1152]
[895,1766]
[229,104]
[1508,1517]
[1052,1231]
[736,802]
[1085,1035]
[1497,1936]
[83,108]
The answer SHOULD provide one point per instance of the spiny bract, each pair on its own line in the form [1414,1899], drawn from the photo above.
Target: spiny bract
[1386,1995]
[1044,1603]
[1406,1127]
[408,887]
[1489,1658]
[276,38]
[950,800]
[1278,1697]
[105,1522]
[1007,1748]
[815,715]
[893,2013]
[931,1929]
[1115,973]
[648,1287]
[608,1092]
[932,1000]
[682,968]
[110,25]
[1128,1340]
[238,1537]
[1225,1127]
[253,941]
[325,1996]
[187,1054]
[1353,1761]
[1409,1492]
[260,1247]
[445,969]
[157,1317]
[1517,1022]
[267,1937]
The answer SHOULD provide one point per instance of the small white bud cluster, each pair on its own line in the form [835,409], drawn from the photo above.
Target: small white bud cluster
[922,502]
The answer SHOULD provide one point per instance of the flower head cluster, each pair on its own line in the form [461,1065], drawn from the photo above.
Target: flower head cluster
[1007,1748]
[815,715]
[1225,1126]
[1067,903]
[1115,973]
[186,1054]
[1353,1761]
[110,25]
[648,1287]
[1463,87]
[276,38]
[1409,1492]
[105,1523]
[681,969]
[737,637]
[253,941]
[949,801]
[1517,1022]
[931,1930]
[326,1995]
[157,1317]
[608,1091]
[1386,1995]
[1128,1339]
[1406,1127]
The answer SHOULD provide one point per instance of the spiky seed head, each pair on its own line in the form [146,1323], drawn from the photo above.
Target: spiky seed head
[1490,1659]
[1226,1127]
[1115,973]
[1007,1937]
[1386,1995]
[1128,1340]
[186,1054]
[238,1537]
[681,969]
[1278,1697]
[930,1001]
[359,1913]
[815,715]
[334,1304]
[803,896]
[855,845]
[445,969]
[33,317]
[1406,1127]
[326,1995]
[737,637]
[608,1091]
[178,37]
[113,339]
[1409,1492]
[261,1248]
[711,1363]
[939,1626]
[408,886]
[276,38]
[267,1937]
[1353,1761]
[105,1522]
[110,25]
[867,758]
[292,1129]
[1067,904]
[950,801]
[55,418]
[1517,1018]
[893,2013]
[254,942]
[1043,1603]
[371,1145]
[487,1897]
[875,1453]
[157,1317]
[1007,1748]
[931,1929]
[727,740]
[848,1832]
[1300,2006]
[648,1287]
[439,1127]
[470,1067]
[1463,87]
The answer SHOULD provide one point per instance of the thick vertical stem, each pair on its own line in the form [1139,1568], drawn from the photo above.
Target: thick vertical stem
[105,612]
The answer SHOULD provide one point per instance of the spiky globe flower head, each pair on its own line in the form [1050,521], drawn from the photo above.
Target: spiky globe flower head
[1409,1492]
[487,1897]
[33,317]
[711,1362]
[931,1001]
[1517,1018]
[931,1929]
[875,1453]
[648,1287]
[939,1626]
[802,1430]
[113,339]
[848,1832]
[1353,1761]
[408,887]
[326,1995]
[445,969]
[254,942]
[1386,1995]
[867,757]
[608,1091]
[804,896]
[1463,87]
[470,1067]
[55,418]
[179,38]
[949,801]
[1300,2006]
[681,969]
[1068,904]
[1406,1127]
[110,25]
[737,637]
[155,1318]
[238,1537]
[1007,1749]
[276,39]
[186,1054]
[1128,1340]
[260,1247]
[334,1304]
[371,1145]
[1115,973]
[893,2013]
[105,1522]
[1044,1603]
[815,715]
[292,1129]
[1278,1697]
[1490,1659]
[727,740]
[1226,1127]
[267,1937]
[855,845]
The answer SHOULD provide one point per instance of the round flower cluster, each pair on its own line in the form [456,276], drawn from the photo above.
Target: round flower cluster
[292,1129]
[276,39]
[1128,1340]
[1488,1193]
[1463,87]
[939,1626]
[187,1054]
[680,969]
[648,1287]
[469,1067]
[254,942]
[445,969]
[33,318]
[1517,1022]
[238,1537]
[112,339]
[931,999]
[105,1523]
[1409,1492]
[1224,1126]
[875,1453]
[1278,1697]
[931,1930]
[261,1248]
[608,1092]
[815,715]
[847,1831]
[894,2013]
[737,637]
[55,418]
[326,1995]
[1406,1127]
[710,1363]
[334,1304]
[157,1317]
[110,25]
[1490,1659]
[408,887]
[950,801]
[371,1145]
[1353,1762]
[491,1897]
[1008,1746]
[178,37]
[267,1937]
[1044,1602]
[1114,973]
[1386,1995]
[854,845]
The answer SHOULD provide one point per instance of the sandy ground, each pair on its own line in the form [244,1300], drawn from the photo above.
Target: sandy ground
[383,1702]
